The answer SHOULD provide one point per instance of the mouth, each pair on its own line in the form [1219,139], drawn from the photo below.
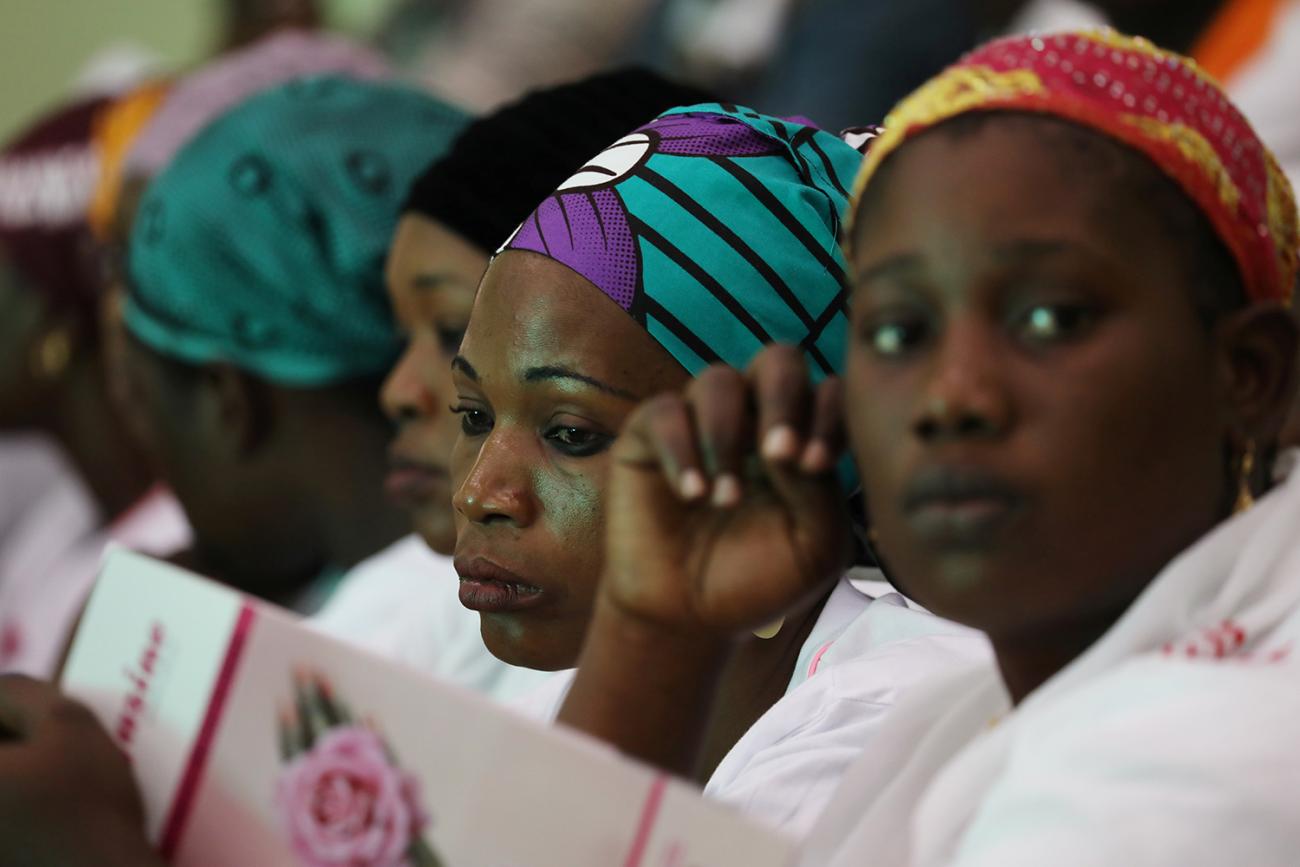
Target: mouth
[411,482]
[951,507]
[492,589]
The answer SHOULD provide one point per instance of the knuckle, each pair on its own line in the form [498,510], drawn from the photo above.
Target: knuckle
[64,711]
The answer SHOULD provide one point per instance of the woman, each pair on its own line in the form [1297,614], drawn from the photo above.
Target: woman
[259,331]
[621,285]
[1069,260]
[461,210]
[92,485]
[543,378]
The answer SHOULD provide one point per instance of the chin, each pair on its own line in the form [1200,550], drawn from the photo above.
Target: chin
[520,645]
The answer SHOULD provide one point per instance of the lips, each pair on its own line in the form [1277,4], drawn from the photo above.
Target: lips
[489,588]
[411,482]
[959,507]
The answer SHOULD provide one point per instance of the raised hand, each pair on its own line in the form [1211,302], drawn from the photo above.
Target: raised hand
[724,511]
[66,791]
[723,514]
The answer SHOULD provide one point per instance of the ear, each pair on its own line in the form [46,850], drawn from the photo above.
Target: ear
[1258,350]
[238,409]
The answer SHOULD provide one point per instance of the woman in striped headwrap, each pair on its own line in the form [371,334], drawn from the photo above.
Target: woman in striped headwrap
[1070,361]
[697,239]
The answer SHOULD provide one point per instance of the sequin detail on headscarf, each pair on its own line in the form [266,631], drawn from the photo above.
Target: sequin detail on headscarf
[1156,102]
[716,229]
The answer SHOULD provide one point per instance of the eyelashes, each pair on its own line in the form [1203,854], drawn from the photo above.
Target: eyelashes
[570,440]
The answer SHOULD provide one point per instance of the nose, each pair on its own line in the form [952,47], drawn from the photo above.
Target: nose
[965,395]
[497,489]
[408,393]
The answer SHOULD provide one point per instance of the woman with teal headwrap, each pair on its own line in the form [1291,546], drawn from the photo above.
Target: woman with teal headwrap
[701,237]
[260,329]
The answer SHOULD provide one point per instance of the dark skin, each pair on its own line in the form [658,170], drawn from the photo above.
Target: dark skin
[1008,323]
[432,275]
[548,372]
[281,485]
[249,20]
[69,403]
[671,631]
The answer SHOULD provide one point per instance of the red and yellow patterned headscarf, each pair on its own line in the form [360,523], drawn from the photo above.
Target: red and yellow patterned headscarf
[1154,101]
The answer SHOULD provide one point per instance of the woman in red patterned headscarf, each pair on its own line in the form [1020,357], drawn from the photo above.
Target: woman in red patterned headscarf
[1070,361]
[53,384]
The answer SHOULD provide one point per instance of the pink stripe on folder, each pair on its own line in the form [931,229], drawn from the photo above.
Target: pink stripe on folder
[649,813]
[174,826]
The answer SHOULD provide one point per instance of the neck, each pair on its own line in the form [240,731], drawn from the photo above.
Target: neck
[328,510]
[85,425]
[1029,660]
[353,516]
[754,679]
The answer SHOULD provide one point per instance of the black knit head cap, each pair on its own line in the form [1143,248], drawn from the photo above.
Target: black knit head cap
[504,164]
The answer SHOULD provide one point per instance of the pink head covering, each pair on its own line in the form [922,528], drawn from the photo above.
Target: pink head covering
[211,91]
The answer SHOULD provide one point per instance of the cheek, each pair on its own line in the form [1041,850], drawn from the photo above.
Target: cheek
[878,417]
[572,502]
[1143,419]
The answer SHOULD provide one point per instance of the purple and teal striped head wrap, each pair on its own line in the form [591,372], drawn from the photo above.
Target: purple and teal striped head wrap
[716,228]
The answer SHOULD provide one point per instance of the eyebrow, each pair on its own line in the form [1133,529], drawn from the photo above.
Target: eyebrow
[1029,248]
[550,372]
[459,363]
[894,265]
[430,281]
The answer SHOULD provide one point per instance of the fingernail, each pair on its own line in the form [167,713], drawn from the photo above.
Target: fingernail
[780,444]
[726,491]
[816,457]
[692,484]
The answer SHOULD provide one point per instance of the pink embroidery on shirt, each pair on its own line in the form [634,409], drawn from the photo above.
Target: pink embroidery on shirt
[1215,642]
[817,657]
[11,641]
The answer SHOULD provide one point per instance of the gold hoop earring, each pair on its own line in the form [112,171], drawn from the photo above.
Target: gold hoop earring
[51,355]
[771,630]
[1245,470]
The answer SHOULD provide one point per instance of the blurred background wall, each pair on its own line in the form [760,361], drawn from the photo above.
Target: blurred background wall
[47,45]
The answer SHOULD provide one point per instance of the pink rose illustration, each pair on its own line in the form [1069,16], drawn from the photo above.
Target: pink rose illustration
[344,803]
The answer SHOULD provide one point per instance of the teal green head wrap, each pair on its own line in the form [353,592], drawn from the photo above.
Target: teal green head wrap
[717,229]
[263,243]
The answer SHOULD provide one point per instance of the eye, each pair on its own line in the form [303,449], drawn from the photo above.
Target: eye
[473,422]
[576,441]
[896,335]
[450,338]
[1055,323]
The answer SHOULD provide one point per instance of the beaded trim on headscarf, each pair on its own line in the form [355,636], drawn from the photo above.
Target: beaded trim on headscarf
[1154,101]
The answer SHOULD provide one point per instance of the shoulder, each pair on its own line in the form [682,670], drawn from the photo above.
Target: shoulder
[1160,761]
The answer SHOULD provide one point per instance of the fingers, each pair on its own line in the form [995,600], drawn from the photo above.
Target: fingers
[826,437]
[783,396]
[701,439]
[719,402]
[25,702]
[660,432]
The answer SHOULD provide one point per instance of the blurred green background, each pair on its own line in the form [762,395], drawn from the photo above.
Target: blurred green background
[46,44]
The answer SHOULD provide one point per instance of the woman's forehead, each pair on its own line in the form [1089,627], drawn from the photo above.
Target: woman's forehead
[1009,184]
[532,313]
